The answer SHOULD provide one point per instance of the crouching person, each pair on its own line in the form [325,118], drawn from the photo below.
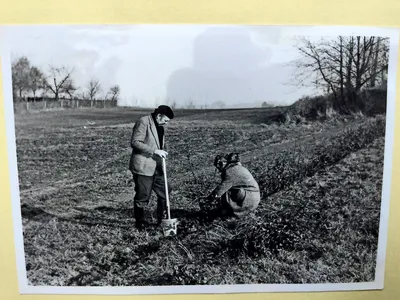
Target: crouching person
[238,192]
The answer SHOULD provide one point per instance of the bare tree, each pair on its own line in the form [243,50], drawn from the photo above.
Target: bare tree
[342,66]
[36,80]
[375,63]
[69,88]
[93,89]
[58,80]
[20,76]
[114,92]
[380,62]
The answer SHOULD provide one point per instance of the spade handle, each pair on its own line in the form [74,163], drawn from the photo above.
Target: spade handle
[166,187]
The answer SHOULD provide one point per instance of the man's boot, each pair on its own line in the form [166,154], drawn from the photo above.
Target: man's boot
[161,210]
[139,217]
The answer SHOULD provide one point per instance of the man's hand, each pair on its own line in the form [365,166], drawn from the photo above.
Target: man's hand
[161,153]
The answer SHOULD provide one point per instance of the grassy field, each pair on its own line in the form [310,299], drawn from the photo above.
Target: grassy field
[317,222]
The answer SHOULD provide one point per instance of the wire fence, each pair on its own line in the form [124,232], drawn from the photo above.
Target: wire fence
[38,104]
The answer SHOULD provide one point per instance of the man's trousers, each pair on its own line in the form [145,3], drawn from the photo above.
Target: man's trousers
[144,185]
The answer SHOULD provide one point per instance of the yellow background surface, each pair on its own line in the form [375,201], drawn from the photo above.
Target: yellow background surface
[282,12]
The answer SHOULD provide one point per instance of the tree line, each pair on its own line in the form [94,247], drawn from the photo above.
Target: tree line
[342,66]
[29,81]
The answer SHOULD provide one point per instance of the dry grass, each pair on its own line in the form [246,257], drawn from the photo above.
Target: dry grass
[318,220]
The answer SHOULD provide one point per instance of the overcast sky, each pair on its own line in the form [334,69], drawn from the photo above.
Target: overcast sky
[239,65]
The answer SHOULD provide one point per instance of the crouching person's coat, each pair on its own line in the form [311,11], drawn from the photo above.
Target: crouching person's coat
[238,191]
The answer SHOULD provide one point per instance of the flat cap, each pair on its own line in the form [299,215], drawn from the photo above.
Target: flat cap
[165,110]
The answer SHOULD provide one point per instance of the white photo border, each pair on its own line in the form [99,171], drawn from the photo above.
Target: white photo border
[25,288]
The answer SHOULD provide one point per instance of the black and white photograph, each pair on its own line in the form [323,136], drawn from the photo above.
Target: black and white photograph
[171,159]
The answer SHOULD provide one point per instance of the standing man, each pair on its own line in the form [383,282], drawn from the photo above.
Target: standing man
[148,149]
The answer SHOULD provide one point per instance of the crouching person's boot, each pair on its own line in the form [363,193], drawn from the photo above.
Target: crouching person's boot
[139,217]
